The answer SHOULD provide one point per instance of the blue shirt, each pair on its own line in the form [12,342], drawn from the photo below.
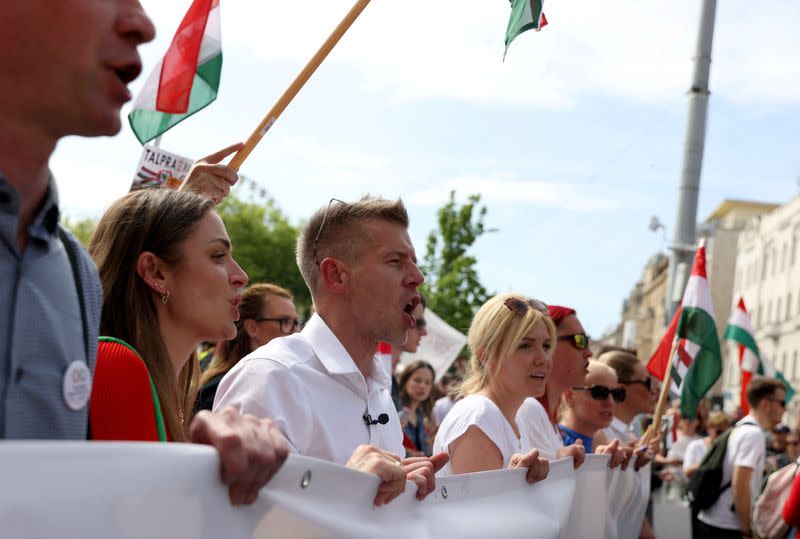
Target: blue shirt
[569,437]
[41,326]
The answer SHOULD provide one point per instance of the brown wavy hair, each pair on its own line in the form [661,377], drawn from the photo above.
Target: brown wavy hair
[228,353]
[158,221]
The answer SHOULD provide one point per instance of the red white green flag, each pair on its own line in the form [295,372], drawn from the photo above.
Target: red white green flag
[740,331]
[697,362]
[187,79]
[525,15]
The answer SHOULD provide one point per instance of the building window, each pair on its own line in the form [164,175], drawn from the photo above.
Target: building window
[769,312]
[778,310]
[789,306]
[764,264]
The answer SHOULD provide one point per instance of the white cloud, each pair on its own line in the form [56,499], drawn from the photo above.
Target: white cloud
[559,195]
[419,49]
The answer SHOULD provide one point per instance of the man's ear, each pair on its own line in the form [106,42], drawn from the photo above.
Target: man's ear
[250,327]
[335,275]
[151,270]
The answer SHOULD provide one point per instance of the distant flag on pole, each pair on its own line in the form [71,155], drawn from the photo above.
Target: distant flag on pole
[740,331]
[186,80]
[525,15]
[697,362]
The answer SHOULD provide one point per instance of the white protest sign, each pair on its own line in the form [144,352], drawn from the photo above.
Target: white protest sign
[440,347]
[160,168]
[132,490]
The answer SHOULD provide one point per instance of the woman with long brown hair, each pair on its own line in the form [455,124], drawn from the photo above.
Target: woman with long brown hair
[266,311]
[169,283]
[416,393]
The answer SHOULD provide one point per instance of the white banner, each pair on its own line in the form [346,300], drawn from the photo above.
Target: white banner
[134,490]
[440,347]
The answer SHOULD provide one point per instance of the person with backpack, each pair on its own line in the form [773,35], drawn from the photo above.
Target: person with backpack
[728,481]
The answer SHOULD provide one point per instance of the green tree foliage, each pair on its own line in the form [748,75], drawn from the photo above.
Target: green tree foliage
[263,242]
[80,228]
[452,288]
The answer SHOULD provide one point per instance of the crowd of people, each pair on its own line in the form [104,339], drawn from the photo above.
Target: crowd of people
[159,279]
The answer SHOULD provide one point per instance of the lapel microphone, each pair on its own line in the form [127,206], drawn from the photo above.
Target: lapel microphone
[382,419]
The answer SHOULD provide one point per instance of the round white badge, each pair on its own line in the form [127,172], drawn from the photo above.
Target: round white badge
[77,385]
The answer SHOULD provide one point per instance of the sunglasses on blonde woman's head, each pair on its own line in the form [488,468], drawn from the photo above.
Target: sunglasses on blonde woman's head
[601,393]
[578,340]
[521,306]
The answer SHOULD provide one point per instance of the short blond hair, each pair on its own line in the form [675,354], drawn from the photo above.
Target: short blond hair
[335,231]
[494,334]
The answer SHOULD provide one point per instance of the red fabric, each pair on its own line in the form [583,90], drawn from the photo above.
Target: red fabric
[559,313]
[745,375]
[791,509]
[180,61]
[658,363]
[699,265]
[121,407]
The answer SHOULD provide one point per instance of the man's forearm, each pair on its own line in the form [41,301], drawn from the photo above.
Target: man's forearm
[741,502]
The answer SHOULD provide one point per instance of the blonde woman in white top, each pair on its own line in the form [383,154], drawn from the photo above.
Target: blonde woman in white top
[511,338]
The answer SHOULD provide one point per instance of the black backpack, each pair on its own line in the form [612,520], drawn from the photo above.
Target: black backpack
[705,485]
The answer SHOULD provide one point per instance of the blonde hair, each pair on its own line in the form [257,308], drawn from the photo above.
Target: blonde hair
[335,231]
[623,362]
[494,334]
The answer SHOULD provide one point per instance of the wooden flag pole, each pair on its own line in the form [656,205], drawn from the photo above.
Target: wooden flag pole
[655,428]
[297,84]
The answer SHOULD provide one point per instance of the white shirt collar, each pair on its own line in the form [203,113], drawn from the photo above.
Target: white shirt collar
[333,355]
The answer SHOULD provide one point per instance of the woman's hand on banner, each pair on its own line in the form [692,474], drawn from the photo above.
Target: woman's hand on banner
[250,449]
[577,451]
[422,471]
[387,466]
[538,467]
[211,178]
[617,454]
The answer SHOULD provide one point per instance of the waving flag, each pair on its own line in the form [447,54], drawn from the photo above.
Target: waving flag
[740,331]
[525,15]
[697,362]
[186,80]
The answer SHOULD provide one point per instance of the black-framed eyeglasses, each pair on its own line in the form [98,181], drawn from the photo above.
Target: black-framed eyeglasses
[779,401]
[647,382]
[288,325]
[521,306]
[578,340]
[321,226]
[601,392]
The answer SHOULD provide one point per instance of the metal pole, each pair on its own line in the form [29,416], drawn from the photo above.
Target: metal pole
[683,245]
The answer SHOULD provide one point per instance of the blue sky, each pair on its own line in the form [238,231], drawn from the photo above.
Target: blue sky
[573,142]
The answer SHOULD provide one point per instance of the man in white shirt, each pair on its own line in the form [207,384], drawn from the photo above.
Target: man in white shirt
[743,467]
[323,387]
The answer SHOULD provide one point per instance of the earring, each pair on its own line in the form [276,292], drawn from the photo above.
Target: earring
[165,297]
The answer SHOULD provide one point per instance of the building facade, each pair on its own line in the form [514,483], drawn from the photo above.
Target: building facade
[768,278]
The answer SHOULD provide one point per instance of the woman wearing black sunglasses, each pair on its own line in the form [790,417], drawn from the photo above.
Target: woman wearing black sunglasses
[590,407]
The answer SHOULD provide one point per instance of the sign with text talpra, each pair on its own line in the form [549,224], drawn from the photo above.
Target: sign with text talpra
[159,168]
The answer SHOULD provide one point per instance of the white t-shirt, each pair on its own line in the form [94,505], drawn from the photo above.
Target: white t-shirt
[695,452]
[310,386]
[747,446]
[481,412]
[532,419]
[619,430]
[441,408]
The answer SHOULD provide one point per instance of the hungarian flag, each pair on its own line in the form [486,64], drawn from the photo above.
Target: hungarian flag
[697,362]
[186,80]
[740,331]
[525,15]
